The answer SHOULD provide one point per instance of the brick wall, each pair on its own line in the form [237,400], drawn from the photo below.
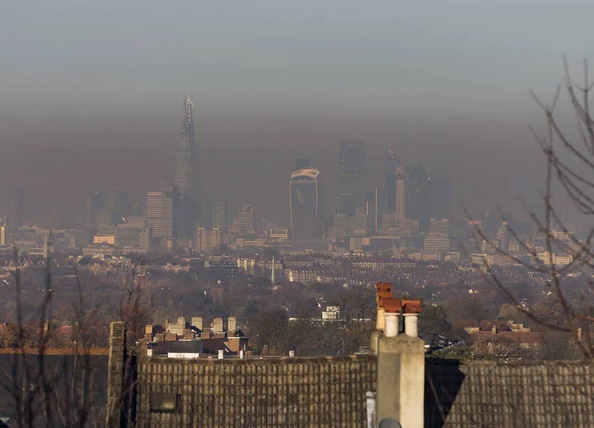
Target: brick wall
[288,392]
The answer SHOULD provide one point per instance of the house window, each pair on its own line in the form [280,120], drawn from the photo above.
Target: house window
[164,402]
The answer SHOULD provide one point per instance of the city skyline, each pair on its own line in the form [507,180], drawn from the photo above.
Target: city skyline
[355,199]
[264,84]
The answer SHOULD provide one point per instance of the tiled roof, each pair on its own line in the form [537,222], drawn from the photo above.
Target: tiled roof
[185,346]
[492,394]
[214,345]
[270,392]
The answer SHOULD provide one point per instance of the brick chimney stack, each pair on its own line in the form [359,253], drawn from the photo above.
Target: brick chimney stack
[217,325]
[197,322]
[384,291]
[401,366]
[231,326]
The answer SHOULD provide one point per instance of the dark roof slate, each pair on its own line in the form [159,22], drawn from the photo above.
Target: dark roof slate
[492,394]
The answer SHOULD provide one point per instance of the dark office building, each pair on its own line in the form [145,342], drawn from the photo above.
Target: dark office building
[440,197]
[215,215]
[118,202]
[418,203]
[351,177]
[302,164]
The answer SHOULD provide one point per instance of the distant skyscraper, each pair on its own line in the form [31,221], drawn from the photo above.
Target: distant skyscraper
[246,220]
[215,215]
[417,200]
[396,187]
[186,174]
[168,205]
[186,171]
[103,218]
[153,212]
[351,176]
[304,204]
[503,236]
[93,204]
[118,202]
[160,211]
[440,197]
[302,164]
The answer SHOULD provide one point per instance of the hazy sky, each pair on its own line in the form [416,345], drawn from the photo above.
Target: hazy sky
[91,92]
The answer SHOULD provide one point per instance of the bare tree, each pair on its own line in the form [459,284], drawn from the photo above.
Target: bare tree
[63,390]
[569,175]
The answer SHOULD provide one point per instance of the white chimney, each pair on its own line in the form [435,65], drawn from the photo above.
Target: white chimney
[401,368]
[411,325]
[391,324]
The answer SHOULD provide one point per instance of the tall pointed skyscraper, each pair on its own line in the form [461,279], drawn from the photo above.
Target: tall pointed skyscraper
[186,175]
[186,170]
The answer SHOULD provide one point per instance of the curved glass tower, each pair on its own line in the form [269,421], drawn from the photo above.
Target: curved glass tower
[303,204]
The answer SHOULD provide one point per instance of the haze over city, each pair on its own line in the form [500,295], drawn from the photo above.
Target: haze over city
[91,94]
[330,213]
